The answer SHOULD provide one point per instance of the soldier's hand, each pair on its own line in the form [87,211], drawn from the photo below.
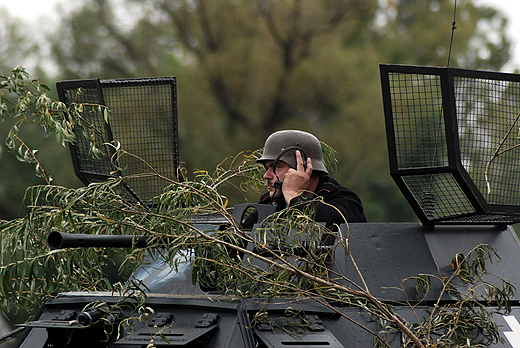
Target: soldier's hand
[297,180]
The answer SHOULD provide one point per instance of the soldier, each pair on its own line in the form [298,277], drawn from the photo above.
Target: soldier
[296,177]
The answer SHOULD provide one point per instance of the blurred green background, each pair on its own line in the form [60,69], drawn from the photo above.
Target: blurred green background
[246,68]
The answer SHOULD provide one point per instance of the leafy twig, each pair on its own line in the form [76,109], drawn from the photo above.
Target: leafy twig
[498,153]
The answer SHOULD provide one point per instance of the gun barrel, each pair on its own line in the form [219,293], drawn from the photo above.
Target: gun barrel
[61,240]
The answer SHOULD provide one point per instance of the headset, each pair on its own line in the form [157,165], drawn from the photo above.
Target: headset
[278,184]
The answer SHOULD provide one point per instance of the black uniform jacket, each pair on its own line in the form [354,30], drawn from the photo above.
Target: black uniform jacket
[332,199]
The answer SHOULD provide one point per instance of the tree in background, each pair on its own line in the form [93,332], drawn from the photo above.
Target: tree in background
[19,46]
[246,68]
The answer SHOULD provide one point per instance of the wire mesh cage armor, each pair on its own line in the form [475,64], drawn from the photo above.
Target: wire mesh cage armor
[142,118]
[453,138]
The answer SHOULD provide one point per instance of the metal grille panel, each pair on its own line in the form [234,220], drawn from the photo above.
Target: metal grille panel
[453,136]
[429,189]
[88,97]
[487,116]
[418,120]
[142,119]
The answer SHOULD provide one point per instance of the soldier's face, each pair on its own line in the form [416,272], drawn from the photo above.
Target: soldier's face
[270,176]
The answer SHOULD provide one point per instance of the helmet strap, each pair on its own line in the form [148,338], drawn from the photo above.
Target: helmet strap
[278,184]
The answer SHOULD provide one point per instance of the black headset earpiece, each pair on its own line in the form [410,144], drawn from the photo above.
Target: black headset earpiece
[278,184]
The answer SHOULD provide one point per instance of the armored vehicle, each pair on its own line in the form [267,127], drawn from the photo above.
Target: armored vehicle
[452,136]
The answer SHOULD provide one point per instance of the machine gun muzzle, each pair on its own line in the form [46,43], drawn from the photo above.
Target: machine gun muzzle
[61,240]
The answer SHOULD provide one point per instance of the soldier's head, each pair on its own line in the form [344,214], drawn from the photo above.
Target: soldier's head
[282,146]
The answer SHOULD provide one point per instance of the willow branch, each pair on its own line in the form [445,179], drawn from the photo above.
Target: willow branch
[499,153]
[290,268]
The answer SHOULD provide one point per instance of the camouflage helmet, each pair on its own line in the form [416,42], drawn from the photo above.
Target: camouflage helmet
[279,141]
